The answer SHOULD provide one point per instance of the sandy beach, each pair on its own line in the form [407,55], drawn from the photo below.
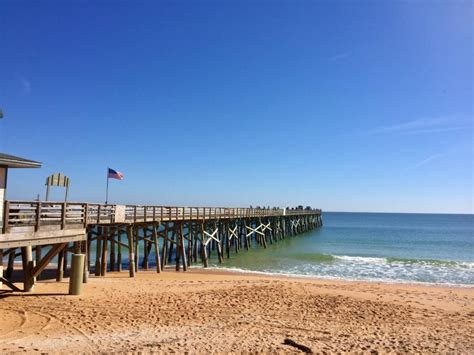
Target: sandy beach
[207,311]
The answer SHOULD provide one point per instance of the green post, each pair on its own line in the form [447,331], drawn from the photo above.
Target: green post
[77,271]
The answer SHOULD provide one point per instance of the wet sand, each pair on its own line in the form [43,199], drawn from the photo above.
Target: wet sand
[207,311]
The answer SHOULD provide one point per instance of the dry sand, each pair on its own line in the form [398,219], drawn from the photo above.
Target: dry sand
[204,311]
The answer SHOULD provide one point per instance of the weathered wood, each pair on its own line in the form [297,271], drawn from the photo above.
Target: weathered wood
[11,261]
[28,265]
[157,248]
[43,262]
[105,242]
[98,251]
[146,249]
[85,251]
[60,266]
[119,250]
[9,284]
[182,248]
[1,268]
[136,238]
[187,233]
[112,250]
[77,271]
[165,246]
[131,256]
[38,257]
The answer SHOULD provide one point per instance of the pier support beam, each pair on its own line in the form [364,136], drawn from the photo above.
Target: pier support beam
[131,255]
[28,265]
[77,272]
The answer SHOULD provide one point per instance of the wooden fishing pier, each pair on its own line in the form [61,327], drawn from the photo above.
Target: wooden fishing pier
[38,232]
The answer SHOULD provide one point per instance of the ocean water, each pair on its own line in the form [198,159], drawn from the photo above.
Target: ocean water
[387,247]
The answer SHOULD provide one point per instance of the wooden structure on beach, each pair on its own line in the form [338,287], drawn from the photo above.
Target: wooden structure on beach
[178,235]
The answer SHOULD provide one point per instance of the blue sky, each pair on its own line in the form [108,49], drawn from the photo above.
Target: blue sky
[345,105]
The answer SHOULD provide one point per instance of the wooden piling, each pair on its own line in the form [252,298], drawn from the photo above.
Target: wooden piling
[182,248]
[112,249]
[119,249]
[136,239]
[11,262]
[98,251]
[60,266]
[157,248]
[85,251]
[103,261]
[76,277]
[131,255]
[28,265]
[38,257]
[1,268]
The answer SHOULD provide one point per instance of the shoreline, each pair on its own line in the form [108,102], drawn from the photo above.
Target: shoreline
[220,311]
[230,270]
[322,278]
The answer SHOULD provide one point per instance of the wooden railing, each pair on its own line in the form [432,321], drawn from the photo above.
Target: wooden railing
[34,215]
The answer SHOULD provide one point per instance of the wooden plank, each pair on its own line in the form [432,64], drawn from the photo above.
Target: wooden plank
[9,284]
[41,237]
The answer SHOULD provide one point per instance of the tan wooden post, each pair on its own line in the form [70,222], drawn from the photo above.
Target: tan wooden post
[77,272]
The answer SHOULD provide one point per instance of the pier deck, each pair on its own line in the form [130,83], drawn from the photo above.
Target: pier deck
[183,235]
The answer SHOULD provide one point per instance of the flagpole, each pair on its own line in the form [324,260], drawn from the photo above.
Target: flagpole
[107,189]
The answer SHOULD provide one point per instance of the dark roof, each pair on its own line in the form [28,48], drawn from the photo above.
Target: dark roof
[17,162]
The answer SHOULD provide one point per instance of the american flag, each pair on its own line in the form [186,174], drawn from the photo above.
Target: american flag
[113,174]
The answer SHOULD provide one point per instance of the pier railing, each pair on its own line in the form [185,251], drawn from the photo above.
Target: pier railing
[36,215]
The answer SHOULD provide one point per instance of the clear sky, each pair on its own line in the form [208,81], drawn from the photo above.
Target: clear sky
[342,105]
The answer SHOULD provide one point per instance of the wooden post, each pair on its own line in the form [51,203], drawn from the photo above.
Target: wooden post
[119,251]
[203,245]
[131,256]
[195,246]
[28,265]
[11,262]
[63,215]
[165,246]
[38,216]
[88,245]
[60,266]
[1,268]
[77,272]
[178,244]
[65,261]
[171,245]
[220,250]
[182,248]
[189,250]
[157,247]
[77,247]
[227,238]
[98,251]
[145,248]
[85,251]
[105,237]
[38,257]
[6,214]
[137,245]
[112,249]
